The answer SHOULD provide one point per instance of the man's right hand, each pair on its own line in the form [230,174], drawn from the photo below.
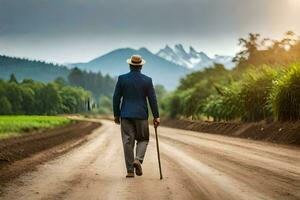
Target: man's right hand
[156,122]
[117,120]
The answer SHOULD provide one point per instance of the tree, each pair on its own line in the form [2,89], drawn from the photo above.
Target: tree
[60,81]
[76,77]
[249,53]
[48,100]
[258,51]
[5,106]
[95,82]
[105,105]
[73,99]
[13,79]
[14,95]
[28,100]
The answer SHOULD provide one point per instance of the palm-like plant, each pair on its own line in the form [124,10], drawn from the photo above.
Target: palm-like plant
[285,96]
[255,91]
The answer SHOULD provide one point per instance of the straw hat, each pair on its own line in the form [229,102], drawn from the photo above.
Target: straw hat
[136,60]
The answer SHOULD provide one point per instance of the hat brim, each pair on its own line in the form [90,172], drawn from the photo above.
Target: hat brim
[136,64]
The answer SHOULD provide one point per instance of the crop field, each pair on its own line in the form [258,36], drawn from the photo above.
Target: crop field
[18,125]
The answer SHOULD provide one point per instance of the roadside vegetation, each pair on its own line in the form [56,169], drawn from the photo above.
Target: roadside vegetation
[264,85]
[36,98]
[49,77]
[18,125]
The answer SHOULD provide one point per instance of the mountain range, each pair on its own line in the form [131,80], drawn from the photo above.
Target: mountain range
[192,59]
[114,63]
[166,67]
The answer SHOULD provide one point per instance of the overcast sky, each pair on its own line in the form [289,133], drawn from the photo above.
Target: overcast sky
[79,30]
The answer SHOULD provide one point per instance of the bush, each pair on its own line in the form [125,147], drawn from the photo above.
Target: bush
[231,103]
[286,95]
[226,106]
[212,107]
[255,92]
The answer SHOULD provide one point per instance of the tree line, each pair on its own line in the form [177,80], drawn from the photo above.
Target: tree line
[264,85]
[30,97]
[23,68]
[98,84]
[16,97]
[101,87]
[37,70]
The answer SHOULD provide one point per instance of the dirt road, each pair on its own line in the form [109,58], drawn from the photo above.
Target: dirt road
[195,166]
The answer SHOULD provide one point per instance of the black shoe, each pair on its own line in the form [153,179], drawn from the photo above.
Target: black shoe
[130,175]
[138,167]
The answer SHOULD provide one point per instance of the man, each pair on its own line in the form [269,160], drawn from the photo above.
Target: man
[131,111]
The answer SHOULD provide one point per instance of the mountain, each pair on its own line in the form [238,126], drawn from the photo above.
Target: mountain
[30,69]
[166,67]
[114,63]
[193,59]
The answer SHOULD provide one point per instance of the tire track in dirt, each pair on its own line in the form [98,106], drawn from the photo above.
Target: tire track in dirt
[242,169]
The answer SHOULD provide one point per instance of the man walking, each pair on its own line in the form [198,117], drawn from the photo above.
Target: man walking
[131,111]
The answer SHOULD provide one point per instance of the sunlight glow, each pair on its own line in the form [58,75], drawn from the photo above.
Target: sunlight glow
[294,2]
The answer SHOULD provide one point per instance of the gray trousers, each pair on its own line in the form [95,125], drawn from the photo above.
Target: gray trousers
[134,130]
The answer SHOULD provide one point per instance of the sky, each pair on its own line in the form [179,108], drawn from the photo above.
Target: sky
[63,31]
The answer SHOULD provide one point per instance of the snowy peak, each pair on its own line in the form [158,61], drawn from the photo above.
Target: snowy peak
[167,51]
[179,50]
[178,55]
[193,52]
[192,59]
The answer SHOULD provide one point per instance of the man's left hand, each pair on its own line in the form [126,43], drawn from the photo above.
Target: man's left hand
[156,122]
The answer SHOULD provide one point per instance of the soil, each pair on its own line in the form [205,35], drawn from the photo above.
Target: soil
[19,154]
[277,132]
[195,166]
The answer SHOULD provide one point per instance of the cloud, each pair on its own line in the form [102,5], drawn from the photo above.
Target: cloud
[134,21]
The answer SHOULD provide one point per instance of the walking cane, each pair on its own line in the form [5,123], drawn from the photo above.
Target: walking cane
[158,154]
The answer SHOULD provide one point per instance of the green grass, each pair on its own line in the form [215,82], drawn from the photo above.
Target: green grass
[11,126]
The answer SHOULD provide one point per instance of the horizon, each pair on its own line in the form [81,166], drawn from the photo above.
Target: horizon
[78,31]
[137,49]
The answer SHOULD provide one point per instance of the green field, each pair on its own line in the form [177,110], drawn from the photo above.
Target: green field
[17,125]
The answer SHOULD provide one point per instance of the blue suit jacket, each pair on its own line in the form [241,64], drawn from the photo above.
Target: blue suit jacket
[130,96]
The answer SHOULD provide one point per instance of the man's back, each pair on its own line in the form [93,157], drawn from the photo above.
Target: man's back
[134,88]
